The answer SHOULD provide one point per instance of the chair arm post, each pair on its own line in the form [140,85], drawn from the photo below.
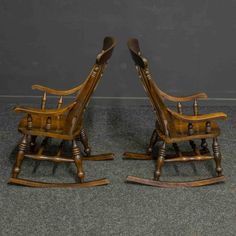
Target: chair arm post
[44,99]
[179,108]
[195,107]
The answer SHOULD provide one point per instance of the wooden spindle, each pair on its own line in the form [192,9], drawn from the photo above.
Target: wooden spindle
[190,129]
[48,123]
[179,108]
[208,127]
[29,122]
[60,101]
[44,99]
[195,107]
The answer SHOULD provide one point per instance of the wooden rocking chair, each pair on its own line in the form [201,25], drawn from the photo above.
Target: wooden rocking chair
[174,127]
[64,123]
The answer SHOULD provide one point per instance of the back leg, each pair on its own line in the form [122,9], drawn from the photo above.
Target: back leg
[160,161]
[20,156]
[153,141]
[84,141]
[217,156]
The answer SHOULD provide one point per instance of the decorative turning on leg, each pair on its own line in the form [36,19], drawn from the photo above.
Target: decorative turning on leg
[160,161]
[84,140]
[19,157]
[78,160]
[217,156]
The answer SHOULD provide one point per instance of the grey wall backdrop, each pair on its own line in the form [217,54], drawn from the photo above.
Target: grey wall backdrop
[190,44]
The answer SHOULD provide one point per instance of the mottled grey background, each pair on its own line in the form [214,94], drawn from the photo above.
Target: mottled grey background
[190,44]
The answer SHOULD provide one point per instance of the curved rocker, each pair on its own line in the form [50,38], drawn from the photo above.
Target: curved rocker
[167,184]
[36,184]
[64,123]
[175,127]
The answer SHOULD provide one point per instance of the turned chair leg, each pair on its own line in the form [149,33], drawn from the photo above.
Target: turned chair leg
[217,156]
[84,141]
[78,160]
[160,161]
[152,142]
[20,156]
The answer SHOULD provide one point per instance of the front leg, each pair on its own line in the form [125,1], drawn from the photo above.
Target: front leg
[19,157]
[217,156]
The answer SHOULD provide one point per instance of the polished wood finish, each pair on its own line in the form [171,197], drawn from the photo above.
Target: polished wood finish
[173,127]
[64,123]
[36,184]
[137,156]
[166,184]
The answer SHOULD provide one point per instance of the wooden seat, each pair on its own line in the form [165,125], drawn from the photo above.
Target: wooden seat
[173,127]
[179,131]
[64,123]
[56,130]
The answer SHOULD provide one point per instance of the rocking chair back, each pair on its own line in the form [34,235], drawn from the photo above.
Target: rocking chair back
[150,87]
[75,116]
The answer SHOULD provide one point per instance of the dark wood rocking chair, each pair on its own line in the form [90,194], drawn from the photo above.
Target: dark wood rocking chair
[174,127]
[63,123]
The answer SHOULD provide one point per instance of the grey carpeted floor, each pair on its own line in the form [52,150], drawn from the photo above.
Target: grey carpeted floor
[118,208]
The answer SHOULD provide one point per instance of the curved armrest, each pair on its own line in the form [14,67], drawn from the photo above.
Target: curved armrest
[190,119]
[182,99]
[57,92]
[47,112]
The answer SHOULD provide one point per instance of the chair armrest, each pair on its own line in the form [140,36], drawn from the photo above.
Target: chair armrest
[57,92]
[198,118]
[46,112]
[182,99]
